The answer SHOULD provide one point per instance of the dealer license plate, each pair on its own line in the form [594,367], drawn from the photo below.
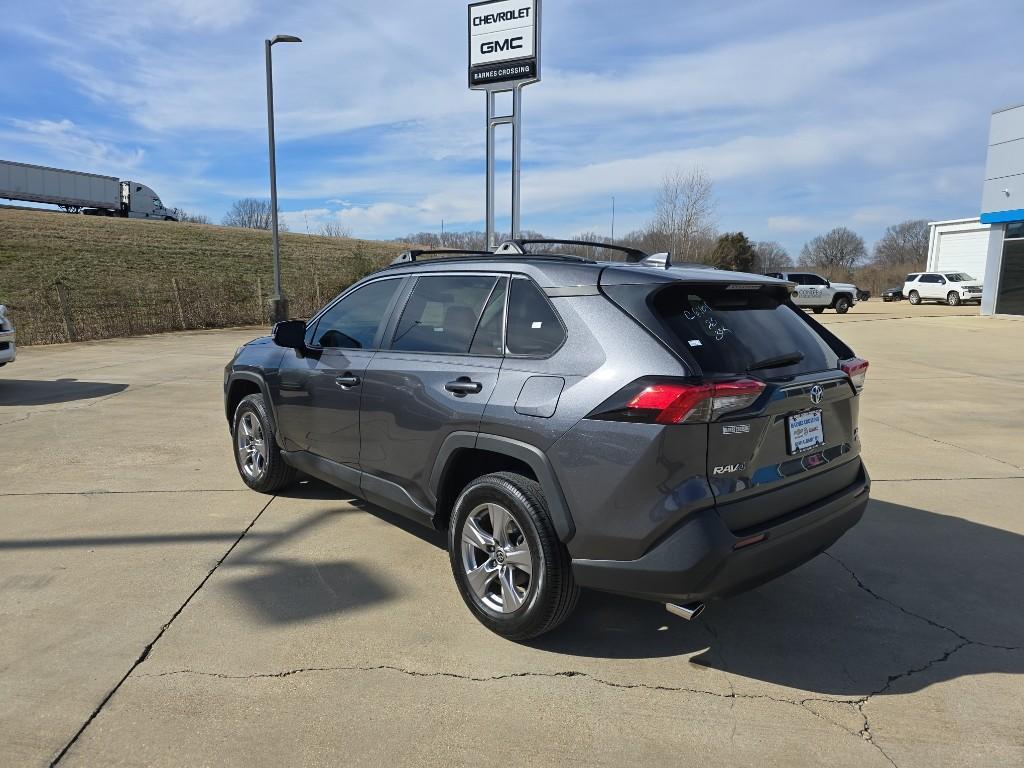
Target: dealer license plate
[805,431]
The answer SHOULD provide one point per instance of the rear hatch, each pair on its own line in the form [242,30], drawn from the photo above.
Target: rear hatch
[782,417]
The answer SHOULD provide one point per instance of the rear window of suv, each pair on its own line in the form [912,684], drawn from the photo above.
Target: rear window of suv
[731,331]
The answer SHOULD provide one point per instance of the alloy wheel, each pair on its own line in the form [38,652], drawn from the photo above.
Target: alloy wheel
[252,446]
[496,558]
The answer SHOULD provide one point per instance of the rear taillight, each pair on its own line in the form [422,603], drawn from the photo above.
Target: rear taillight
[675,402]
[857,370]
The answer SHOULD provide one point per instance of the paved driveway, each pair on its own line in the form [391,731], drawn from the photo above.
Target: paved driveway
[155,612]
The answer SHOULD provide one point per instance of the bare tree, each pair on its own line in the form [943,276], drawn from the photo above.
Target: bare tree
[903,245]
[771,257]
[190,218]
[333,229]
[684,215]
[838,251]
[251,213]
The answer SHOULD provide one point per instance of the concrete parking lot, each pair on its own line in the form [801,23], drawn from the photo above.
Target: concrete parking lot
[153,611]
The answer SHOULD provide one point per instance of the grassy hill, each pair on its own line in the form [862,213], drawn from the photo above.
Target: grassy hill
[87,277]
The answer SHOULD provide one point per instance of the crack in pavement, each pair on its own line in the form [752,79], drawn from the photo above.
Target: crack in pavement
[941,479]
[125,493]
[149,646]
[942,442]
[864,734]
[858,704]
[959,635]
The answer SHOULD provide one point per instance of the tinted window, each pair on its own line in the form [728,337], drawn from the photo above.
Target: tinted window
[442,313]
[776,275]
[490,334]
[353,322]
[533,326]
[815,280]
[930,279]
[731,331]
[959,277]
[910,278]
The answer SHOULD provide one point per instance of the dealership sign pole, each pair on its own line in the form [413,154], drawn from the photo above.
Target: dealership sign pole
[504,55]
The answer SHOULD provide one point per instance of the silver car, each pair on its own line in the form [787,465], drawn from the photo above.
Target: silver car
[7,348]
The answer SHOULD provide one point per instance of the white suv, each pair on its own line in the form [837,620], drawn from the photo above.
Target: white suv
[7,350]
[953,288]
[818,294]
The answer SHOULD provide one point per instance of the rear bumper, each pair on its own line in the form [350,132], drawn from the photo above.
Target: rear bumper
[697,561]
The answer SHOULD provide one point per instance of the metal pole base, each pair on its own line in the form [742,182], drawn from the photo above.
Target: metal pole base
[278,309]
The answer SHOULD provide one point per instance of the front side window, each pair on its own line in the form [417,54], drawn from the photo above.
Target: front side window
[353,322]
[959,277]
[816,280]
[533,327]
[442,313]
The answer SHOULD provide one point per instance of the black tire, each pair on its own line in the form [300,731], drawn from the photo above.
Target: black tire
[914,297]
[274,474]
[818,310]
[841,304]
[953,299]
[552,592]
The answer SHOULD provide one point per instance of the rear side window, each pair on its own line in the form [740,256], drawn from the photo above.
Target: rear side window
[737,331]
[442,313]
[910,278]
[533,327]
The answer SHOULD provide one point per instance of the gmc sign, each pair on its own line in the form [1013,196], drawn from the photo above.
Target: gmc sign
[503,42]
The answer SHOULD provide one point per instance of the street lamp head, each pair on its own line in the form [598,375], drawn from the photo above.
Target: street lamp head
[285,39]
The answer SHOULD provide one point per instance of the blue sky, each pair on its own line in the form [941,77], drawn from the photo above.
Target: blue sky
[806,115]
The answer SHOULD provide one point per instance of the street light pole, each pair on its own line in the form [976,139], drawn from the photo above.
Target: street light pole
[278,302]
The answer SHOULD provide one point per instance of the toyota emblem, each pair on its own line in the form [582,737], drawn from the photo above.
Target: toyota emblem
[817,394]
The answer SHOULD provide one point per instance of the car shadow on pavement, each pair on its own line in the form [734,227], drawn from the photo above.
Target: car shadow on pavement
[32,392]
[897,595]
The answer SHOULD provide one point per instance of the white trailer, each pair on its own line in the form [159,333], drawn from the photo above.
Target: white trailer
[76,192]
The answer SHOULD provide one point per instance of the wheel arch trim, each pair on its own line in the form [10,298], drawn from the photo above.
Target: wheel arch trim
[524,452]
[260,382]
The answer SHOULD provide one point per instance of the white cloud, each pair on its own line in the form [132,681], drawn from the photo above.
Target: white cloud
[63,142]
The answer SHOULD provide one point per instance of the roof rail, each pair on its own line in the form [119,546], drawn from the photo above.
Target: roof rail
[409,257]
[633,255]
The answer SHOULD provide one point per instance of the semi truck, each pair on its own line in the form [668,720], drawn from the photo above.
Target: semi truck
[78,192]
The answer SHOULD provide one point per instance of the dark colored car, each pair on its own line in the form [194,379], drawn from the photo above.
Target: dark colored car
[670,433]
[892,294]
[863,295]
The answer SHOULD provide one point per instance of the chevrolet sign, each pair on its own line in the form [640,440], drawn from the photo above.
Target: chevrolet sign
[503,42]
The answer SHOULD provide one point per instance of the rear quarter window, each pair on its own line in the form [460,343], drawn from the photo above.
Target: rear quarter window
[730,331]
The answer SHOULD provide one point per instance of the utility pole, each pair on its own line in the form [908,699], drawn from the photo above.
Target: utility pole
[613,218]
[278,302]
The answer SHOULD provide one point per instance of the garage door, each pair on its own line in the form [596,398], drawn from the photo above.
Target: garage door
[964,251]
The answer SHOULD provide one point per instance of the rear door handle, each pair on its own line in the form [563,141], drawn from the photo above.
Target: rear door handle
[464,386]
[348,381]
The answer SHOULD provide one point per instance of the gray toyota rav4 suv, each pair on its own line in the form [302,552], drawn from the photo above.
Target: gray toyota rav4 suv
[668,432]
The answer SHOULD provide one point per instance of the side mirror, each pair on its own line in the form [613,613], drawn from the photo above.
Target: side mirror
[828,283]
[290,334]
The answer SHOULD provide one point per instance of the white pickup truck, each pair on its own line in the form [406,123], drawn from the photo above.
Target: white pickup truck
[818,294]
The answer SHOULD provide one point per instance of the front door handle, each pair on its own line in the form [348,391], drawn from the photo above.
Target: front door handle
[348,381]
[464,386]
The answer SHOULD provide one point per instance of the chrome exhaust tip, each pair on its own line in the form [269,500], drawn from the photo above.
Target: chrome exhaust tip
[688,612]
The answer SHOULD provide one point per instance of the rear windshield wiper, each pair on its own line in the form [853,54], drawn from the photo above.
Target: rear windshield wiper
[779,361]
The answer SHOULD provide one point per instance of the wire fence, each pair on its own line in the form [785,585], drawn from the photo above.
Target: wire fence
[62,312]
